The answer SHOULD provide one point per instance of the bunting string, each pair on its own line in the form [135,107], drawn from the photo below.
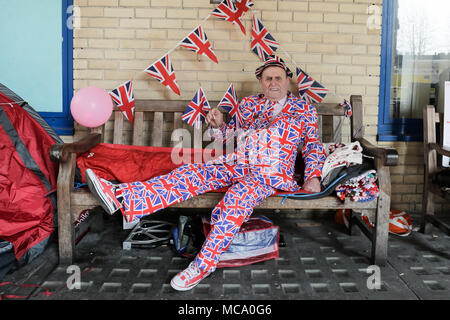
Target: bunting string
[162,69]
[197,41]
[176,46]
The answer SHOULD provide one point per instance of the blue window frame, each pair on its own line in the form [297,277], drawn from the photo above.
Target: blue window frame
[62,122]
[391,129]
[36,57]
[414,65]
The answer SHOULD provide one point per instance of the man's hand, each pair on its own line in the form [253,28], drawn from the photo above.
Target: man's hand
[214,118]
[312,185]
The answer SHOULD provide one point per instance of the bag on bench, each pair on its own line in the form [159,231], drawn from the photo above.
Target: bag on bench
[256,241]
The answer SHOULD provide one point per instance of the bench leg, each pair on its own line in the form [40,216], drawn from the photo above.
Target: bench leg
[66,238]
[427,207]
[381,232]
[65,226]
[350,223]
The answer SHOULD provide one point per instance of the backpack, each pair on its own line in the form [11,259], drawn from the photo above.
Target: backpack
[187,237]
[400,222]
[257,240]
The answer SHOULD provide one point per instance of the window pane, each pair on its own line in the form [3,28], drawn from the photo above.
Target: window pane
[420,56]
[31,52]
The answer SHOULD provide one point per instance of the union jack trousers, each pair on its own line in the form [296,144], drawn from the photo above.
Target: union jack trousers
[247,191]
[262,163]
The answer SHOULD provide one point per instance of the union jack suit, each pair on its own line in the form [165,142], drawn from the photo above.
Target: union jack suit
[262,162]
[269,145]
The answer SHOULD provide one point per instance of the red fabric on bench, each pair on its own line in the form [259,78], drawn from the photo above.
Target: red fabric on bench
[126,163]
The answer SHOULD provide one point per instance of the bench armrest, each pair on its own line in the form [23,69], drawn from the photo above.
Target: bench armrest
[442,151]
[60,152]
[388,156]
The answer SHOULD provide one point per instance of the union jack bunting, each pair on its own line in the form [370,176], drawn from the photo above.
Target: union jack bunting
[309,89]
[163,71]
[262,43]
[348,108]
[123,97]
[199,43]
[231,104]
[226,10]
[243,6]
[195,113]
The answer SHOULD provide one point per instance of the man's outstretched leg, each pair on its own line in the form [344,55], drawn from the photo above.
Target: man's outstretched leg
[227,217]
[141,198]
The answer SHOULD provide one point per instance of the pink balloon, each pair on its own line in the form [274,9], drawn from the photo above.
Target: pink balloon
[91,106]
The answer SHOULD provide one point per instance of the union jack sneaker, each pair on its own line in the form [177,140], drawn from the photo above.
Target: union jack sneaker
[188,278]
[104,191]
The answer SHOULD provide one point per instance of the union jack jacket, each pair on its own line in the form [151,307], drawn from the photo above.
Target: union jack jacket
[269,146]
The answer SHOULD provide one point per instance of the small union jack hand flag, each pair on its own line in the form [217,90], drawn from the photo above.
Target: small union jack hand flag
[199,43]
[309,89]
[123,97]
[163,71]
[263,44]
[226,10]
[195,113]
[348,108]
[230,103]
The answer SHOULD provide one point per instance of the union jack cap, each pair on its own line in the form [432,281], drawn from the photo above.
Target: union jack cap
[273,61]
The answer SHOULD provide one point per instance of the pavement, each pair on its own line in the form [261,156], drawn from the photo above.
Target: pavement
[319,261]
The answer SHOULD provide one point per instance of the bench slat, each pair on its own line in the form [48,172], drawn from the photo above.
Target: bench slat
[177,122]
[337,128]
[118,127]
[209,200]
[138,129]
[332,109]
[198,138]
[157,134]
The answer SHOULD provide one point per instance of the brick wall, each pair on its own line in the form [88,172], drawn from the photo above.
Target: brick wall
[330,39]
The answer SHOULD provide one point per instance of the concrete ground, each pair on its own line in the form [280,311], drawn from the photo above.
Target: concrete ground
[320,261]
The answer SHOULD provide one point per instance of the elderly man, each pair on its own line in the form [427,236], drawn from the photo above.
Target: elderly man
[274,125]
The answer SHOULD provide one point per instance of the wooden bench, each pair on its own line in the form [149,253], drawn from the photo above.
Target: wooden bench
[154,122]
[433,151]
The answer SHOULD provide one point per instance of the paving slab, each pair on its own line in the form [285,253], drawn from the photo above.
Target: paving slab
[320,261]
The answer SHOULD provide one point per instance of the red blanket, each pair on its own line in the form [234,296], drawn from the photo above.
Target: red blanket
[126,163]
